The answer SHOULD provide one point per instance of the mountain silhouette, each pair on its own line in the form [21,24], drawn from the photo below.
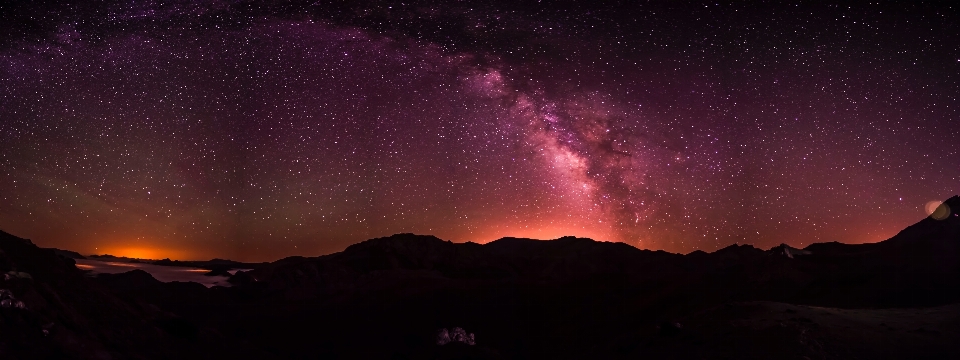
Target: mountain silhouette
[517,298]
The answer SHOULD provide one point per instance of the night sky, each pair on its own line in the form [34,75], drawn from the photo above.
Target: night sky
[254,131]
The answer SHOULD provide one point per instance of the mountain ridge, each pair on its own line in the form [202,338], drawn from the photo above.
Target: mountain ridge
[578,296]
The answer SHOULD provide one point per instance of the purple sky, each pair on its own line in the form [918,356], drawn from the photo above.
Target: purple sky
[253,132]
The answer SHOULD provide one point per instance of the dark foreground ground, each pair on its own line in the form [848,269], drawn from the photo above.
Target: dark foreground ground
[574,298]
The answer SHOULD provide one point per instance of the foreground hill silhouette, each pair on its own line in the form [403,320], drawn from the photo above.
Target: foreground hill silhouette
[564,298]
[49,309]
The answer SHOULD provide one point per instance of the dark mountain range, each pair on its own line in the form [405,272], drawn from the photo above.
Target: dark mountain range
[565,298]
[917,267]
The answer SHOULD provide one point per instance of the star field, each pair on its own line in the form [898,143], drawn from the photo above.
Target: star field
[251,131]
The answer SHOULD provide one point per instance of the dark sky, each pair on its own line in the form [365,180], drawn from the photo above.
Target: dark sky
[256,130]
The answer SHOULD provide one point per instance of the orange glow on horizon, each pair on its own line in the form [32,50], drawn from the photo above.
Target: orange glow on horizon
[144,253]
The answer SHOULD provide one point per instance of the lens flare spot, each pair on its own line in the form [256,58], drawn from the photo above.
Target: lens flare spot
[937,210]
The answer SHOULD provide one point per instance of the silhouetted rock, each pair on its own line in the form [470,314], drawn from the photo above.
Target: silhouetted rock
[456,334]
[68,254]
[788,251]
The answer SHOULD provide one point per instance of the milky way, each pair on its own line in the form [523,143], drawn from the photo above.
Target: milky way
[254,132]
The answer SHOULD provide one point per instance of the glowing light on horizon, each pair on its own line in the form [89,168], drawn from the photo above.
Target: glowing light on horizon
[143,253]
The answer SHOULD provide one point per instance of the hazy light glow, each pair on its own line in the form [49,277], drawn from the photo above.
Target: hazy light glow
[937,210]
[141,252]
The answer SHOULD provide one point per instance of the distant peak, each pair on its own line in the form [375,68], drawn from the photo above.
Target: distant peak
[736,247]
[788,251]
[409,236]
[697,253]
[397,240]
[561,239]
